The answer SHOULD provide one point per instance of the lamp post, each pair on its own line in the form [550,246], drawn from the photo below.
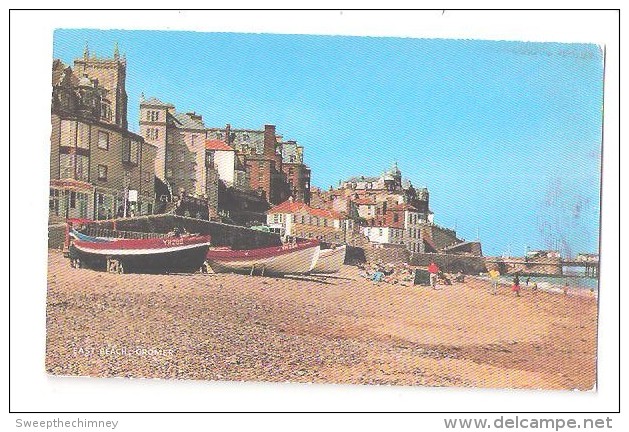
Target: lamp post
[127,181]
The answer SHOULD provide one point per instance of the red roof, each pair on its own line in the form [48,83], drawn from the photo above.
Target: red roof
[288,207]
[295,206]
[215,144]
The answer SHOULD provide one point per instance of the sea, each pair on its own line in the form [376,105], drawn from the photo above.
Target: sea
[577,282]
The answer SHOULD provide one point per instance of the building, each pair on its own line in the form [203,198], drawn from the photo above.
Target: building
[95,161]
[298,219]
[188,152]
[297,173]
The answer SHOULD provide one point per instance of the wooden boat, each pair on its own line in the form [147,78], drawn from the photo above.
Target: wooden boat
[290,258]
[88,238]
[154,255]
[330,260]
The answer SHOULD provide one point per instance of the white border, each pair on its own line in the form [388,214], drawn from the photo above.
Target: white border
[31,54]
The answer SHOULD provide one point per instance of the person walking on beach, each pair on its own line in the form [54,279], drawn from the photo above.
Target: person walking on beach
[565,288]
[494,275]
[433,269]
[516,285]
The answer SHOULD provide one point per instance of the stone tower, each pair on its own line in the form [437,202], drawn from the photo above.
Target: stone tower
[153,127]
[111,74]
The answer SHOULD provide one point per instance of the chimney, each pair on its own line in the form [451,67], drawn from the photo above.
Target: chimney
[269,140]
[228,129]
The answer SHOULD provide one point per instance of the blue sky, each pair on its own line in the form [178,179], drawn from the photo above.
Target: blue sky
[506,135]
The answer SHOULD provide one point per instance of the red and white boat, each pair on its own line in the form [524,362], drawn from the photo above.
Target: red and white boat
[290,258]
[330,260]
[155,255]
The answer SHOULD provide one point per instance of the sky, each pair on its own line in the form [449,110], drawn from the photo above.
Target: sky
[505,135]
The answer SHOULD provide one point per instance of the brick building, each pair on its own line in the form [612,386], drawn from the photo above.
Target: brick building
[298,219]
[94,159]
[184,160]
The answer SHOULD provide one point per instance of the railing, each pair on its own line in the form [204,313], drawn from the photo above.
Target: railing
[104,232]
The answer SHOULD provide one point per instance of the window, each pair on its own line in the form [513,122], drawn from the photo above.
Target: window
[169,172]
[53,201]
[103,140]
[83,136]
[193,138]
[396,218]
[130,151]
[134,157]
[219,136]
[245,137]
[82,167]
[303,219]
[325,222]
[66,167]
[169,155]
[73,199]
[147,176]
[209,158]
[102,172]
[261,164]
[68,133]
[379,231]
[182,156]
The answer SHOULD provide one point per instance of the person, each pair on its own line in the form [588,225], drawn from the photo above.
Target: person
[433,269]
[459,277]
[494,274]
[565,288]
[528,279]
[516,285]
[534,287]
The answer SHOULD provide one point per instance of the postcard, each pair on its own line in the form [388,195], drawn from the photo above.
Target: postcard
[324,209]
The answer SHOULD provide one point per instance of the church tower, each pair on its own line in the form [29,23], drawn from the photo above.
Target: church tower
[111,74]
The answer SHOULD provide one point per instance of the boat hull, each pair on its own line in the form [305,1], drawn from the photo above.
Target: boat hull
[170,255]
[286,259]
[330,260]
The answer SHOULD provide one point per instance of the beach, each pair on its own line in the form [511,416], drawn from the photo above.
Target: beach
[340,328]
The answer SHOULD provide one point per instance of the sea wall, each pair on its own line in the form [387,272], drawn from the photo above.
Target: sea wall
[222,234]
[450,263]
[387,253]
[534,266]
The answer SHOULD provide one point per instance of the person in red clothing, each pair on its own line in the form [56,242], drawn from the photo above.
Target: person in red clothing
[516,285]
[433,269]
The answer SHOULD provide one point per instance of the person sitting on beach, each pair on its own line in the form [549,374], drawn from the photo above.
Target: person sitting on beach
[433,269]
[534,287]
[516,285]
[459,277]
[377,276]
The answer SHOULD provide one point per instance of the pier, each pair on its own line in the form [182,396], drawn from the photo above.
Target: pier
[542,266]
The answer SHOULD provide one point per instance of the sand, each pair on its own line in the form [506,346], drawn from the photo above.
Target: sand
[339,329]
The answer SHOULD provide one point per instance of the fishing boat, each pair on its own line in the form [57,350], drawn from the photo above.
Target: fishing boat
[180,254]
[88,238]
[290,258]
[330,260]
